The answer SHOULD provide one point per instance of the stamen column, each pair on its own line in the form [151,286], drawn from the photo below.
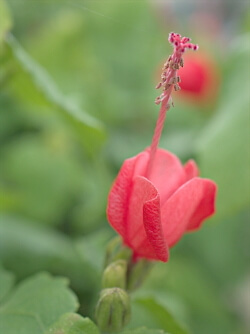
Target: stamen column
[169,81]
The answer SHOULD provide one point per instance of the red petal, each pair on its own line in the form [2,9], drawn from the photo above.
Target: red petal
[118,198]
[191,170]
[167,174]
[206,207]
[187,208]
[145,235]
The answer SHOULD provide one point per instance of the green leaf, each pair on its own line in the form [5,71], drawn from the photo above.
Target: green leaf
[225,159]
[27,248]
[72,323]
[6,282]
[44,179]
[187,288]
[161,315]
[223,147]
[144,330]
[84,124]
[35,304]
[5,19]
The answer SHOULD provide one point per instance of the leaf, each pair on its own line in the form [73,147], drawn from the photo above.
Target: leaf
[223,147]
[189,290]
[144,330]
[6,282]
[27,248]
[5,20]
[44,179]
[35,304]
[72,323]
[85,124]
[161,315]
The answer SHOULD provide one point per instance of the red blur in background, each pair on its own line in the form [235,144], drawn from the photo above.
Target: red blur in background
[200,78]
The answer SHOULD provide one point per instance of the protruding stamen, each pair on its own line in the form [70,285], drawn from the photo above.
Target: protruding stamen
[169,81]
[174,62]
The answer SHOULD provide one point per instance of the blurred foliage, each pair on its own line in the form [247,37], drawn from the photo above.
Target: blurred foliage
[36,304]
[76,99]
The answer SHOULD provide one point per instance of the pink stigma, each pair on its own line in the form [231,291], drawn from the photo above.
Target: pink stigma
[181,43]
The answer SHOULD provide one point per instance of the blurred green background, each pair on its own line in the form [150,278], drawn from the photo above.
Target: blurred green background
[77,98]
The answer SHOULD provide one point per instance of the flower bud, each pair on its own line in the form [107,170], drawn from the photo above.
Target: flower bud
[115,275]
[113,310]
[137,274]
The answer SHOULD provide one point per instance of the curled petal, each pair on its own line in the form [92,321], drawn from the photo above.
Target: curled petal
[153,228]
[191,170]
[145,235]
[187,208]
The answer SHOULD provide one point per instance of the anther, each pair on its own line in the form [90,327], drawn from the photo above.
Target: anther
[185,39]
[174,66]
[166,86]
[169,80]
[173,80]
[158,100]
[158,86]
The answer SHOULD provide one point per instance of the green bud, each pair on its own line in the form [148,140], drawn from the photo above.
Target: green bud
[113,310]
[137,273]
[115,275]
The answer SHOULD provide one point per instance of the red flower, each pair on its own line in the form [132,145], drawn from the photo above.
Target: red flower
[154,199]
[151,214]
[200,79]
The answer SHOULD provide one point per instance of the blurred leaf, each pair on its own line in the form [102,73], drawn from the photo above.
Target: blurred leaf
[5,20]
[154,314]
[35,304]
[92,248]
[85,125]
[72,323]
[26,248]
[144,330]
[9,200]
[6,282]
[223,146]
[89,214]
[161,314]
[227,261]
[191,285]
[42,175]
